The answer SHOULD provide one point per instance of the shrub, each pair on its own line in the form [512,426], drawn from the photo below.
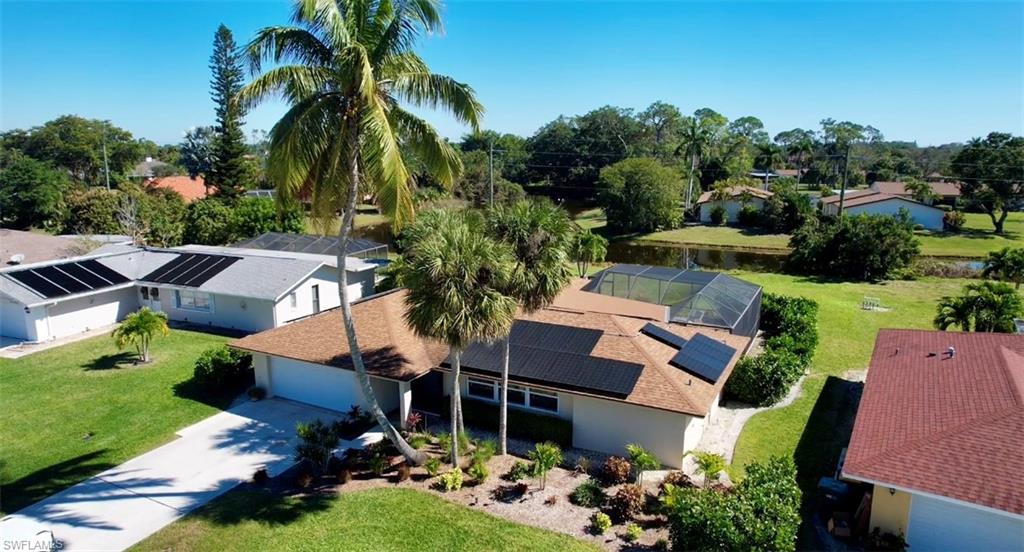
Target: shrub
[717,215]
[478,471]
[414,421]
[418,441]
[953,221]
[450,480]
[633,533]
[522,424]
[640,195]
[582,465]
[518,471]
[379,464]
[432,465]
[862,247]
[257,393]
[222,367]
[208,222]
[661,545]
[484,450]
[676,479]
[642,460]
[588,494]
[748,216]
[616,470]
[763,380]
[600,522]
[627,502]
[710,465]
[317,442]
[545,456]
[786,211]
[508,493]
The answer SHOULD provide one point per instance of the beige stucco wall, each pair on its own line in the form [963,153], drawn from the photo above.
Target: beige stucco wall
[608,426]
[890,512]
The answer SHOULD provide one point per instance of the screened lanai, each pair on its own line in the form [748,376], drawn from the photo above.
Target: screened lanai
[693,296]
[320,245]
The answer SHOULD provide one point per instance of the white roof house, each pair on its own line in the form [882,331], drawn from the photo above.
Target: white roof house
[218,287]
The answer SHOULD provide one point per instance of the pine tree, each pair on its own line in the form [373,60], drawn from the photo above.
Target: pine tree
[227,171]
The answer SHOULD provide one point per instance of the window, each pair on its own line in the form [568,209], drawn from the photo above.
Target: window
[293,300]
[481,389]
[542,400]
[516,395]
[154,293]
[316,298]
[145,293]
[192,300]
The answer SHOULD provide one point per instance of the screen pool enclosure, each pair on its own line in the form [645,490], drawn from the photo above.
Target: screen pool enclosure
[694,297]
[320,245]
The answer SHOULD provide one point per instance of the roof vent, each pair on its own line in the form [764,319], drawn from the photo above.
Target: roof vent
[951,352]
[17,258]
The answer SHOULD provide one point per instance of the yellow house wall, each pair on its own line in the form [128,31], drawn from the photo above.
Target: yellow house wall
[890,512]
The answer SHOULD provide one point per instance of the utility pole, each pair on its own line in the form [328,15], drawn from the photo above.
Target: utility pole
[490,171]
[106,166]
[846,173]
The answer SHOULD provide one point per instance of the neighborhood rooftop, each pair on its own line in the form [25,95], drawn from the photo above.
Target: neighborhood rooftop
[319,245]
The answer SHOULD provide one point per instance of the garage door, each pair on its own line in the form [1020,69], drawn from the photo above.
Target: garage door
[12,320]
[314,384]
[941,525]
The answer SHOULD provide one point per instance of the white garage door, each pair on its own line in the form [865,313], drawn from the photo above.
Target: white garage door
[13,320]
[941,525]
[314,384]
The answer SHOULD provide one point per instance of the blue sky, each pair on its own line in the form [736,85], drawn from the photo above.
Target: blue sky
[933,72]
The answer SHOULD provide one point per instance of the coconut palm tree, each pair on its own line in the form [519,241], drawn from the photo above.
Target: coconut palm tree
[346,69]
[768,157]
[697,137]
[538,233]
[455,274]
[1006,264]
[138,329]
[587,247]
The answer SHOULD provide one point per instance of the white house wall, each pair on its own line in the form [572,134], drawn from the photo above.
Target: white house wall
[732,209]
[928,217]
[327,280]
[319,385]
[15,322]
[608,426]
[73,316]
[239,313]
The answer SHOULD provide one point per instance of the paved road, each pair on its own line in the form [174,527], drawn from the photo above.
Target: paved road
[126,504]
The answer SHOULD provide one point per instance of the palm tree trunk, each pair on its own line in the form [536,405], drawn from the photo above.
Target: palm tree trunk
[455,400]
[503,400]
[411,455]
[689,185]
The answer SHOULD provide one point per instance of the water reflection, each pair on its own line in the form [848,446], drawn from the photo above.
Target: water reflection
[693,257]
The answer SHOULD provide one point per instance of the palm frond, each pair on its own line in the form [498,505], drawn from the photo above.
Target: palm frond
[440,92]
[439,158]
[283,43]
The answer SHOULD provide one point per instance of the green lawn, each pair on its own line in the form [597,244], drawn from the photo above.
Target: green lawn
[380,519]
[75,410]
[720,236]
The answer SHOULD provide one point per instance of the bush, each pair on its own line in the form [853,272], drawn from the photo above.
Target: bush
[478,471]
[208,221]
[616,470]
[640,195]
[252,216]
[317,442]
[484,450]
[676,479]
[954,221]
[545,457]
[633,533]
[786,211]
[509,493]
[600,522]
[642,460]
[588,494]
[792,317]
[763,380]
[761,514]
[92,211]
[863,247]
[521,424]
[450,480]
[257,393]
[432,465]
[418,441]
[717,215]
[222,367]
[749,216]
[627,503]
[518,471]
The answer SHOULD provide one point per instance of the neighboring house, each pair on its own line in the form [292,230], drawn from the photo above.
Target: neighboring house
[219,287]
[190,189]
[777,173]
[948,192]
[875,203]
[940,438]
[147,168]
[628,377]
[18,247]
[734,204]
[322,245]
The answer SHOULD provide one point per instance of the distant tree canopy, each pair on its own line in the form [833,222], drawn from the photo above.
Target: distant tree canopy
[991,171]
[31,191]
[641,195]
[863,247]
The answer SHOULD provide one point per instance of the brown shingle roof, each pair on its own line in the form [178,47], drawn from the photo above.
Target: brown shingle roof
[574,299]
[947,426]
[736,191]
[943,189]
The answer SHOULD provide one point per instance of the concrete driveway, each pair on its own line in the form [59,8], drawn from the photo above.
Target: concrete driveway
[124,505]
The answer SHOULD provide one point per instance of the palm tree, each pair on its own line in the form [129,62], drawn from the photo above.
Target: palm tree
[801,151]
[138,329]
[954,311]
[984,307]
[343,68]
[538,232]
[768,157]
[1006,264]
[587,247]
[455,274]
[697,137]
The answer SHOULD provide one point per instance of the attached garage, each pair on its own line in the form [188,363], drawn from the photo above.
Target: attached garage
[319,385]
[937,524]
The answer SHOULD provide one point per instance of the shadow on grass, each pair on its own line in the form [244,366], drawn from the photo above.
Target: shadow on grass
[827,431]
[241,505]
[49,480]
[195,391]
[113,361]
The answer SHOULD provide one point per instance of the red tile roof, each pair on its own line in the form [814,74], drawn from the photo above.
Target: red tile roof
[190,189]
[952,427]
[944,189]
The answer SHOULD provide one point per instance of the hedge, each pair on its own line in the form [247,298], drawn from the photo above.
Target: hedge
[221,367]
[521,424]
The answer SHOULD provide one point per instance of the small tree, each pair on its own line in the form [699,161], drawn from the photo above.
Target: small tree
[138,329]
[921,191]
[640,195]
[709,464]
[642,460]
[317,442]
[545,457]
[586,248]
[1006,264]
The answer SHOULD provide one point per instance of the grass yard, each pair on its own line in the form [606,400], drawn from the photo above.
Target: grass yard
[78,409]
[379,519]
[976,239]
[720,236]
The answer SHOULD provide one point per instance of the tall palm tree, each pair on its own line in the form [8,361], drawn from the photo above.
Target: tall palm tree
[455,274]
[343,68]
[1006,264]
[139,328]
[539,234]
[801,152]
[697,137]
[768,157]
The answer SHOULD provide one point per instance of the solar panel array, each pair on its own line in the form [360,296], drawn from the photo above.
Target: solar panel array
[554,337]
[704,357]
[68,278]
[190,269]
[661,334]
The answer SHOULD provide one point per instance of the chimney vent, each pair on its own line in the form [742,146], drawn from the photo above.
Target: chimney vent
[951,352]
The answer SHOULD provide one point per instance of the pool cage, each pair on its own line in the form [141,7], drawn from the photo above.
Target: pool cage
[693,296]
[320,245]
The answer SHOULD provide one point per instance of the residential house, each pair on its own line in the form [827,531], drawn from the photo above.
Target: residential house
[219,287]
[617,370]
[872,202]
[738,197]
[948,192]
[939,437]
[190,189]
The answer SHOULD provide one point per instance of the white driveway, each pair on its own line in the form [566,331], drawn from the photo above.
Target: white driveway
[124,505]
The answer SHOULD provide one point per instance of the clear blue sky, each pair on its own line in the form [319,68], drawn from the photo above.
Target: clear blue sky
[934,72]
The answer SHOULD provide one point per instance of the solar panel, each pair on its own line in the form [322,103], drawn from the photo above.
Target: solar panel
[69,278]
[554,337]
[62,279]
[209,270]
[661,334]
[38,284]
[190,269]
[85,276]
[165,269]
[105,272]
[704,357]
